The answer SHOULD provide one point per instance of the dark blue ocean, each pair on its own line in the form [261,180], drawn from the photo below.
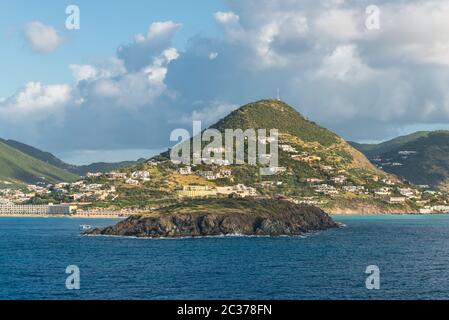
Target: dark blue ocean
[412,253]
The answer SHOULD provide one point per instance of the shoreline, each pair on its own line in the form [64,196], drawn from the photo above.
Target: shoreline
[114,216]
[368,210]
[75,216]
[339,214]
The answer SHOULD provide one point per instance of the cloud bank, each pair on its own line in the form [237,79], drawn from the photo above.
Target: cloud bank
[363,84]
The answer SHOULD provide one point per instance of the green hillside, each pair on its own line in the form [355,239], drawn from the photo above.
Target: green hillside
[51,159]
[427,164]
[272,114]
[316,166]
[371,150]
[18,166]
[103,166]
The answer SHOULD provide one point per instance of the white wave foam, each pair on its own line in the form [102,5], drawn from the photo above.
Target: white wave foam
[231,235]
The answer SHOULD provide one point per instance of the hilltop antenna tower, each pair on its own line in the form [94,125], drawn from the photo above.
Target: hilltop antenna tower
[278,98]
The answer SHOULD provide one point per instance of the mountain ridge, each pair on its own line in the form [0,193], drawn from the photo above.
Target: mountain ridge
[18,167]
[79,170]
[316,172]
[421,157]
[372,149]
[315,167]
[268,113]
[274,114]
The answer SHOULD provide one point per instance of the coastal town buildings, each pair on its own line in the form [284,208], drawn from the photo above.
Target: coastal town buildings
[388,182]
[407,152]
[354,189]
[409,193]
[384,191]
[185,170]
[208,175]
[339,179]
[397,200]
[197,192]
[239,190]
[94,174]
[133,182]
[116,175]
[140,175]
[326,189]
[214,175]
[13,209]
[287,148]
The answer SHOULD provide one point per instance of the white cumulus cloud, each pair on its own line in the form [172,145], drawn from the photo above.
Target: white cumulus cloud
[42,38]
[363,84]
[35,101]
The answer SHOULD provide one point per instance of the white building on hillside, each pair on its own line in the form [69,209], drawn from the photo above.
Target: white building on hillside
[185,170]
[287,148]
[239,190]
[140,175]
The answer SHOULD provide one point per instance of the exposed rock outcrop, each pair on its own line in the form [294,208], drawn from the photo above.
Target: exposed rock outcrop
[282,218]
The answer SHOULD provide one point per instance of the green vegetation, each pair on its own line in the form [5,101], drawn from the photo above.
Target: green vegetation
[315,167]
[319,155]
[273,114]
[49,158]
[428,166]
[371,150]
[225,206]
[18,166]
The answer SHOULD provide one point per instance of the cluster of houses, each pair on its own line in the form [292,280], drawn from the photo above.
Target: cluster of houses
[80,191]
[93,191]
[389,191]
[22,196]
[195,191]
[354,189]
[135,178]
[305,157]
[401,194]
[407,153]
[288,148]
[77,191]
[221,173]
[214,175]
[8,196]
[299,156]
[270,184]
[335,183]
[404,155]
[434,209]
[326,189]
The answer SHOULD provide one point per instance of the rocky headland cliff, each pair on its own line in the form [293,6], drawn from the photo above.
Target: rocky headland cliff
[224,217]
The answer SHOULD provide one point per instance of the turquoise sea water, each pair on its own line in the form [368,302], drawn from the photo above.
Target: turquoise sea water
[412,253]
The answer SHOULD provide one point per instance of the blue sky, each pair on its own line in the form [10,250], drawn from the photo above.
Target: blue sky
[105,26]
[136,70]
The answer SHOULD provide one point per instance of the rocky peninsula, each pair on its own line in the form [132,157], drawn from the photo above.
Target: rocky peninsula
[198,218]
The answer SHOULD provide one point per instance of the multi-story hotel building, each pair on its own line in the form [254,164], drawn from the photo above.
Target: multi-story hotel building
[13,209]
